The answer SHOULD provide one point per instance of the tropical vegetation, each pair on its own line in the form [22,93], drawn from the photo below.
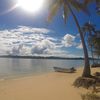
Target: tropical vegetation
[93,39]
[89,32]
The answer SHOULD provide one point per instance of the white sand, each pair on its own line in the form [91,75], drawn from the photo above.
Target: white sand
[51,86]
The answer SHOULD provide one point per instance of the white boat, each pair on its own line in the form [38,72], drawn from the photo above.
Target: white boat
[64,70]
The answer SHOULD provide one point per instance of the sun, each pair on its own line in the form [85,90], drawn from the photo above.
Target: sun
[30,5]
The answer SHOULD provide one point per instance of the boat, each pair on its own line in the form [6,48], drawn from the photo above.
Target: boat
[64,70]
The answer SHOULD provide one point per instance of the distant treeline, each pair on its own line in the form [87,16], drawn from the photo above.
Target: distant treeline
[42,57]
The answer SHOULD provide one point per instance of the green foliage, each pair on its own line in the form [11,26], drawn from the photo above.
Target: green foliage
[95,40]
[93,37]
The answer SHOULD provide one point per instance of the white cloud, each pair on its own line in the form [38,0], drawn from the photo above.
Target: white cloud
[28,41]
[25,29]
[25,40]
[68,40]
[79,46]
[14,41]
[43,46]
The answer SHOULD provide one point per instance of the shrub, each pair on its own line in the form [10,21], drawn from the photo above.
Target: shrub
[90,96]
[84,82]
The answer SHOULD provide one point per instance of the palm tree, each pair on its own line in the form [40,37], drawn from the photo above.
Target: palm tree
[95,40]
[96,43]
[68,7]
[89,29]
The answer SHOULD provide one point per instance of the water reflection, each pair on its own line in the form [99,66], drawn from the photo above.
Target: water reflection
[10,66]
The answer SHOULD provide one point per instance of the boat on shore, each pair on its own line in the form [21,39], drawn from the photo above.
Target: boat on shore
[64,70]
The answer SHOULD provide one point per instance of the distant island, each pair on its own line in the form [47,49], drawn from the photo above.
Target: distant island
[41,57]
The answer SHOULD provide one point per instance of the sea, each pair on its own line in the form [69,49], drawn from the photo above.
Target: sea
[15,67]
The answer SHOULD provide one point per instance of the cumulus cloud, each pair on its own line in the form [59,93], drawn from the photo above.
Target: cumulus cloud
[68,40]
[79,46]
[43,47]
[14,41]
[25,29]
[25,40]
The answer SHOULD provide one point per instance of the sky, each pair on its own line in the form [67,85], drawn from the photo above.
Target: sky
[28,33]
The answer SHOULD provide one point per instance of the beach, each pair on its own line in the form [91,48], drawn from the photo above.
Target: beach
[49,86]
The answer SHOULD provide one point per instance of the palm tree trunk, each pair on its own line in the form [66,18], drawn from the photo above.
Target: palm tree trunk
[86,71]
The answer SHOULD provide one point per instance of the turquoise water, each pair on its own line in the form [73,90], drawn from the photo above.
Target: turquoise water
[16,67]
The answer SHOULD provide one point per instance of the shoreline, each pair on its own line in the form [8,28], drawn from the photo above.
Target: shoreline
[48,86]
[22,75]
[18,76]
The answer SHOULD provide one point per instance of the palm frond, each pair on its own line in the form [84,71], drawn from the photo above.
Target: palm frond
[79,6]
[54,9]
[66,13]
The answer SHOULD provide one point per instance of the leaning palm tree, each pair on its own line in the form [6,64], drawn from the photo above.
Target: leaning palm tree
[68,7]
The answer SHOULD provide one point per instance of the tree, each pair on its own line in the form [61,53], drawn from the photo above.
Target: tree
[89,32]
[68,7]
[95,40]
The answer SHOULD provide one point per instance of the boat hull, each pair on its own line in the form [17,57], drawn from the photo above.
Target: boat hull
[64,70]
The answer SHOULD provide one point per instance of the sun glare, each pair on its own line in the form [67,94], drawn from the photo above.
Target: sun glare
[31,5]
